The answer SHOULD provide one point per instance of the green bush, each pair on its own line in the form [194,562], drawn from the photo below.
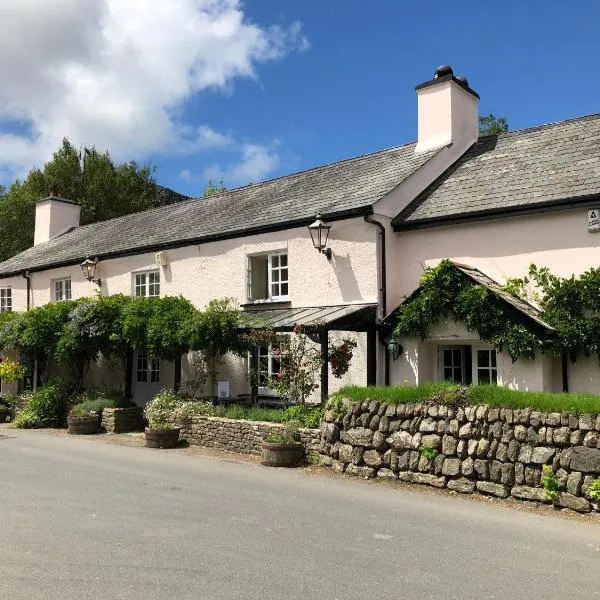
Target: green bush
[308,416]
[98,401]
[161,411]
[46,407]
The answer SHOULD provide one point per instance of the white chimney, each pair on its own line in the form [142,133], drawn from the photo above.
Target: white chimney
[53,216]
[448,111]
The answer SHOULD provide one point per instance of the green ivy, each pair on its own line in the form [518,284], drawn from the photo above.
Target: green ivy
[447,293]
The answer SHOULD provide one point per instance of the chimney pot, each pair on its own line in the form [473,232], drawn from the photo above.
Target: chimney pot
[442,71]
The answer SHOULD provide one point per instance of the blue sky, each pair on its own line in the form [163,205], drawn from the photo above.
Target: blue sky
[336,80]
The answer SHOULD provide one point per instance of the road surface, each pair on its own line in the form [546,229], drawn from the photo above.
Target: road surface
[81,518]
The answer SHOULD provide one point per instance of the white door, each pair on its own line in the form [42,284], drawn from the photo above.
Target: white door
[146,378]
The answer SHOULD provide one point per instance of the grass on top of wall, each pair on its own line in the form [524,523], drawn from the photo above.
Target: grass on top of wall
[491,395]
[306,414]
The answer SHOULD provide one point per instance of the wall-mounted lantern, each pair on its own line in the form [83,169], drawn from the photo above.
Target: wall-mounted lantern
[395,348]
[88,266]
[319,232]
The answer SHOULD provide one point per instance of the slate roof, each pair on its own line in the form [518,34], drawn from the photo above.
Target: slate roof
[520,170]
[334,190]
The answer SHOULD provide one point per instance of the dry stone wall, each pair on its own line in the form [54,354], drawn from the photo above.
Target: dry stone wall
[468,449]
[240,436]
[121,420]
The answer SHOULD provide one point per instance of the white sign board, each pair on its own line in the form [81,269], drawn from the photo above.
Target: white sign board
[593,220]
[223,389]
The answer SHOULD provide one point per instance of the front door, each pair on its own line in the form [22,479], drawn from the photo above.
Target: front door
[146,378]
[452,364]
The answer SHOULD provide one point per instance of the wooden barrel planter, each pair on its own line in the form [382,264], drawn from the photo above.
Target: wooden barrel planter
[83,425]
[281,455]
[162,438]
[5,413]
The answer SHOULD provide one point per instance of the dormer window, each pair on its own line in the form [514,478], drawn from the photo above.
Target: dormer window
[268,277]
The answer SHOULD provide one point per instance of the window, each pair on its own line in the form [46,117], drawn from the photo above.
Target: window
[268,276]
[146,284]
[148,369]
[487,371]
[5,299]
[62,289]
[453,364]
[268,363]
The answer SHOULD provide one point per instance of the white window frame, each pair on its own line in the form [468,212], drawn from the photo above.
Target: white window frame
[270,277]
[490,369]
[66,292]
[147,369]
[271,357]
[441,365]
[146,285]
[6,304]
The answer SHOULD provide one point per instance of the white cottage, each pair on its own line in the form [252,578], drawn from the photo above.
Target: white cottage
[492,204]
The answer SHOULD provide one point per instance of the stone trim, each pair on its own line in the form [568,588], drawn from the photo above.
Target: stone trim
[494,451]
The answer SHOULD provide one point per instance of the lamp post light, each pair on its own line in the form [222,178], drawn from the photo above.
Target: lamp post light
[395,348]
[319,232]
[88,266]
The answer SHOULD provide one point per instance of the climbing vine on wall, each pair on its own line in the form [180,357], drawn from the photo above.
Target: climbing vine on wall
[446,292]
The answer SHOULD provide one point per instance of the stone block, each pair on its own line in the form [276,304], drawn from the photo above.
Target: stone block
[586,460]
[401,440]
[452,427]
[576,438]
[402,463]
[372,458]
[395,425]
[425,465]
[451,466]
[523,492]
[532,436]
[416,441]
[383,424]
[565,458]
[364,472]
[567,500]
[374,424]
[507,474]
[553,419]
[534,419]
[379,440]
[533,476]
[588,480]
[574,481]
[542,455]
[413,460]
[573,421]
[390,411]
[493,449]
[400,410]
[462,485]
[449,444]
[520,433]
[562,477]
[483,446]
[494,489]
[502,452]
[506,415]
[428,426]
[345,453]
[482,468]
[493,415]
[462,449]
[387,474]
[472,447]
[591,439]
[586,422]
[359,436]
[338,466]
[466,431]
[467,467]
[561,436]
[519,473]
[495,430]
[513,450]
[495,470]
[431,441]
[525,453]
[422,478]
[438,463]
[357,454]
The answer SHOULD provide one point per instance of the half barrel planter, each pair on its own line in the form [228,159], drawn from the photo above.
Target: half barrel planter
[85,425]
[162,438]
[281,455]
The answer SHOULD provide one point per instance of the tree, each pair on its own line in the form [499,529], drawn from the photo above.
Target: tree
[104,189]
[491,125]
[213,188]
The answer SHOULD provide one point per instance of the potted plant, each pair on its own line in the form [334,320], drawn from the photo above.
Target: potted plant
[283,449]
[162,415]
[81,421]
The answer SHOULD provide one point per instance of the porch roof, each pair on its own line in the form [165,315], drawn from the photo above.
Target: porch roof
[521,309]
[341,317]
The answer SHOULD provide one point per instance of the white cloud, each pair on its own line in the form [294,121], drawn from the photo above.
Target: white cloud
[256,161]
[113,73]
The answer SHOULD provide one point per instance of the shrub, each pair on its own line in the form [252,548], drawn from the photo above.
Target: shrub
[549,483]
[80,411]
[428,452]
[289,435]
[595,490]
[308,416]
[186,409]
[98,401]
[46,407]
[11,370]
[161,411]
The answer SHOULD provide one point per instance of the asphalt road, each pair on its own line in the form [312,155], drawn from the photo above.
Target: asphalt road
[86,519]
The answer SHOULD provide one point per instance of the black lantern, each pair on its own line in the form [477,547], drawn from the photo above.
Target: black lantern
[319,232]
[88,266]
[395,348]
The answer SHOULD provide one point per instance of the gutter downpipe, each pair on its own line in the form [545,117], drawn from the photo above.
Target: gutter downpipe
[382,285]
[565,371]
[27,275]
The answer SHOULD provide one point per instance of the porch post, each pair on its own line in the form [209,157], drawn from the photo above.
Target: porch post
[129,374]
[177,374]
[254,374]
[324,339]
[371,356]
